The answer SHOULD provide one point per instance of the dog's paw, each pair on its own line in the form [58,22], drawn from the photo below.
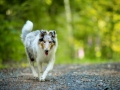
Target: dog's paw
[42,79]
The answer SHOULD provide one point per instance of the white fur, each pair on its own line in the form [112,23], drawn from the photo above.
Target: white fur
[31,40]
[26,29]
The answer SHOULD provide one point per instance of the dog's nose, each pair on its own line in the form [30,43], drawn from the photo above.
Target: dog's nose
[46,51]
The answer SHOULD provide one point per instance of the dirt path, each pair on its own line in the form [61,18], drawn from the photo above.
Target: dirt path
[64,77]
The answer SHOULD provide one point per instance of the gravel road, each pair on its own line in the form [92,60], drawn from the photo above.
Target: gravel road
[64,77]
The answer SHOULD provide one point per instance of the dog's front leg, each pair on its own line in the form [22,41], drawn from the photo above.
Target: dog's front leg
[49,67]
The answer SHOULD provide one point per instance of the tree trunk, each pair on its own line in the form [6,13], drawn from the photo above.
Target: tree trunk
[69,27]
[68,19]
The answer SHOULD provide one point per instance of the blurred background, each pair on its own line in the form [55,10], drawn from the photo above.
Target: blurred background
[88,30]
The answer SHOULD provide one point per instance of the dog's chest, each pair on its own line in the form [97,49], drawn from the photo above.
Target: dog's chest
[44,58]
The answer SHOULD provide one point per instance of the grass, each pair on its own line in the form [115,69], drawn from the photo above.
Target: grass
[85,61]
[25,63]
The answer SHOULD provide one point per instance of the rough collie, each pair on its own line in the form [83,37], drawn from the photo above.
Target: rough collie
[40,46]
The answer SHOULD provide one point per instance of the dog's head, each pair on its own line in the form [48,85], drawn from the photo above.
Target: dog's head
[47,40]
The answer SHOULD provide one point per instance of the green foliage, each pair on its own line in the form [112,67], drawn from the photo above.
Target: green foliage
[95,27]
[10,46]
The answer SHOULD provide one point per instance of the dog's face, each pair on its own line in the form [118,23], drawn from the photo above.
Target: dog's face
[47,40]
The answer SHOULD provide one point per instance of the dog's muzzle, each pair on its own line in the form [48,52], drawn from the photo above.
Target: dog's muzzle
[46,52]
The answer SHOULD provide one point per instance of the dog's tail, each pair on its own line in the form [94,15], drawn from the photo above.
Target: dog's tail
[27,28]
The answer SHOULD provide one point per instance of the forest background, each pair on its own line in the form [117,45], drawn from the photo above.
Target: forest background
[88,30]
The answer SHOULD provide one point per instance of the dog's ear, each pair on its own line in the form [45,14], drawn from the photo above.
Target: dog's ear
[42,33]
[52,33]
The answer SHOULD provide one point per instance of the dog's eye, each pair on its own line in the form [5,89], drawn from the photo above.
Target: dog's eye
[50,41]
[53,41]
[44,41]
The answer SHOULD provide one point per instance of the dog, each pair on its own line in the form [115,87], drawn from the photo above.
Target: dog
[40,47]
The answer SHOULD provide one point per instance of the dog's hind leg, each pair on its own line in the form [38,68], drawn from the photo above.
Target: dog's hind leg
[39,65]
[33,69]
[31,62]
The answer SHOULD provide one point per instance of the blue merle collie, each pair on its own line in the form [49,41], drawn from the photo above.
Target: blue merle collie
[40,46]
